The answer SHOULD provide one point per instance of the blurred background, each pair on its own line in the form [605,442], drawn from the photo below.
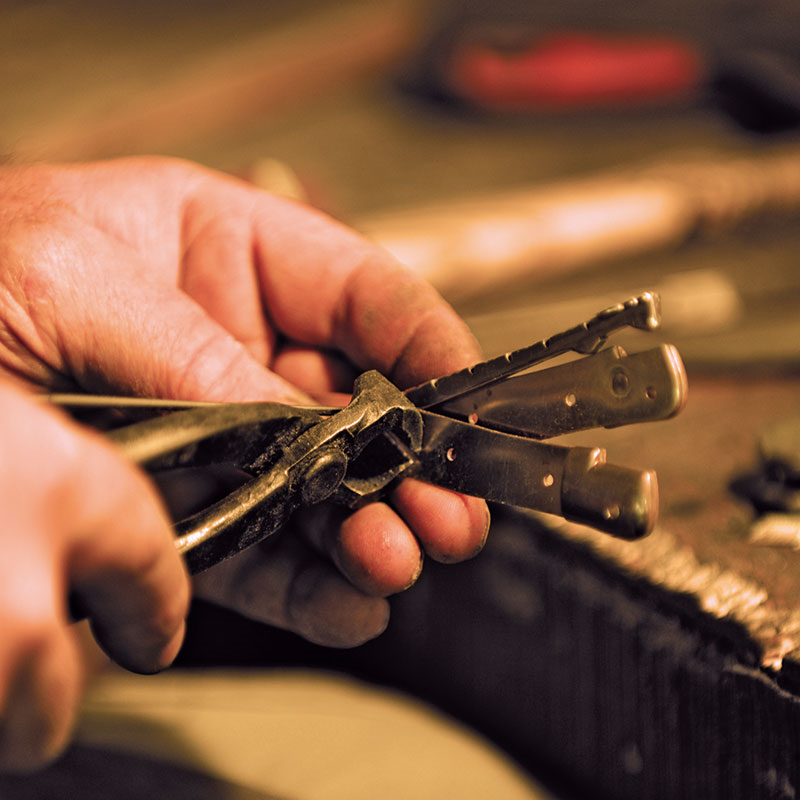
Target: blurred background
[537,161]
[488,144]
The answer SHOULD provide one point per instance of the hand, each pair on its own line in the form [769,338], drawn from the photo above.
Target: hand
[159,278]
[77,518]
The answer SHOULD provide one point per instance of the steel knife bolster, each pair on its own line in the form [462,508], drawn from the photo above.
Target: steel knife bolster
[572,482]
[607,389]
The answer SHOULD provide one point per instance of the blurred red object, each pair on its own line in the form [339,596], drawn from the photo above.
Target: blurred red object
[571,70]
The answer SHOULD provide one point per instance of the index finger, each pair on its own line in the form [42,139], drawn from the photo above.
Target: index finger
[324,285]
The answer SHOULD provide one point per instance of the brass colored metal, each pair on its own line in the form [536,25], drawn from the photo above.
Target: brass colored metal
[606,390]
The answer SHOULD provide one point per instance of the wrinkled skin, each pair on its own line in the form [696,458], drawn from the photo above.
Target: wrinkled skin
[159,278]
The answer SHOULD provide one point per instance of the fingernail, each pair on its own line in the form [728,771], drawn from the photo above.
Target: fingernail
[417,572]
[485,535]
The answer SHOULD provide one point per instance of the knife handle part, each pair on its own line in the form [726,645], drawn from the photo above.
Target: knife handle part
[639,312]
[571,482]
[607,389]
[617,500]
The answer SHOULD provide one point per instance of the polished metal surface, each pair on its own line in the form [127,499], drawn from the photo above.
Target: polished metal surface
[604,390]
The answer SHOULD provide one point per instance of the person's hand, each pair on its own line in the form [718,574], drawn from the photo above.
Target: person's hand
[79,522]
[159,278]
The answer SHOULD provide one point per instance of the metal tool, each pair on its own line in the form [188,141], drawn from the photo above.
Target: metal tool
[474,431]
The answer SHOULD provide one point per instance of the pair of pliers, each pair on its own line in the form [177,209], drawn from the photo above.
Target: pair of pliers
[477,431]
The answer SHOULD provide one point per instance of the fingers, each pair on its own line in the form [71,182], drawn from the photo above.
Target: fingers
[372,547]
[331,593]
[391,319]
[181,353]
[320,284]
[121,559]
[452,527]
[117,330]
[40,671]
[89,523]
[315,371]
[218,275]
[284,583]
[42,694]
[250,263]
[380,548]
[326,286]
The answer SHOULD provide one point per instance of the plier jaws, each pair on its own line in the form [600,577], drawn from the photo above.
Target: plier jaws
[298,457]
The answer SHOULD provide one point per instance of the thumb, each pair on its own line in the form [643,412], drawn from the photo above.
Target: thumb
[158,342]
[178,351]
[119,324]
